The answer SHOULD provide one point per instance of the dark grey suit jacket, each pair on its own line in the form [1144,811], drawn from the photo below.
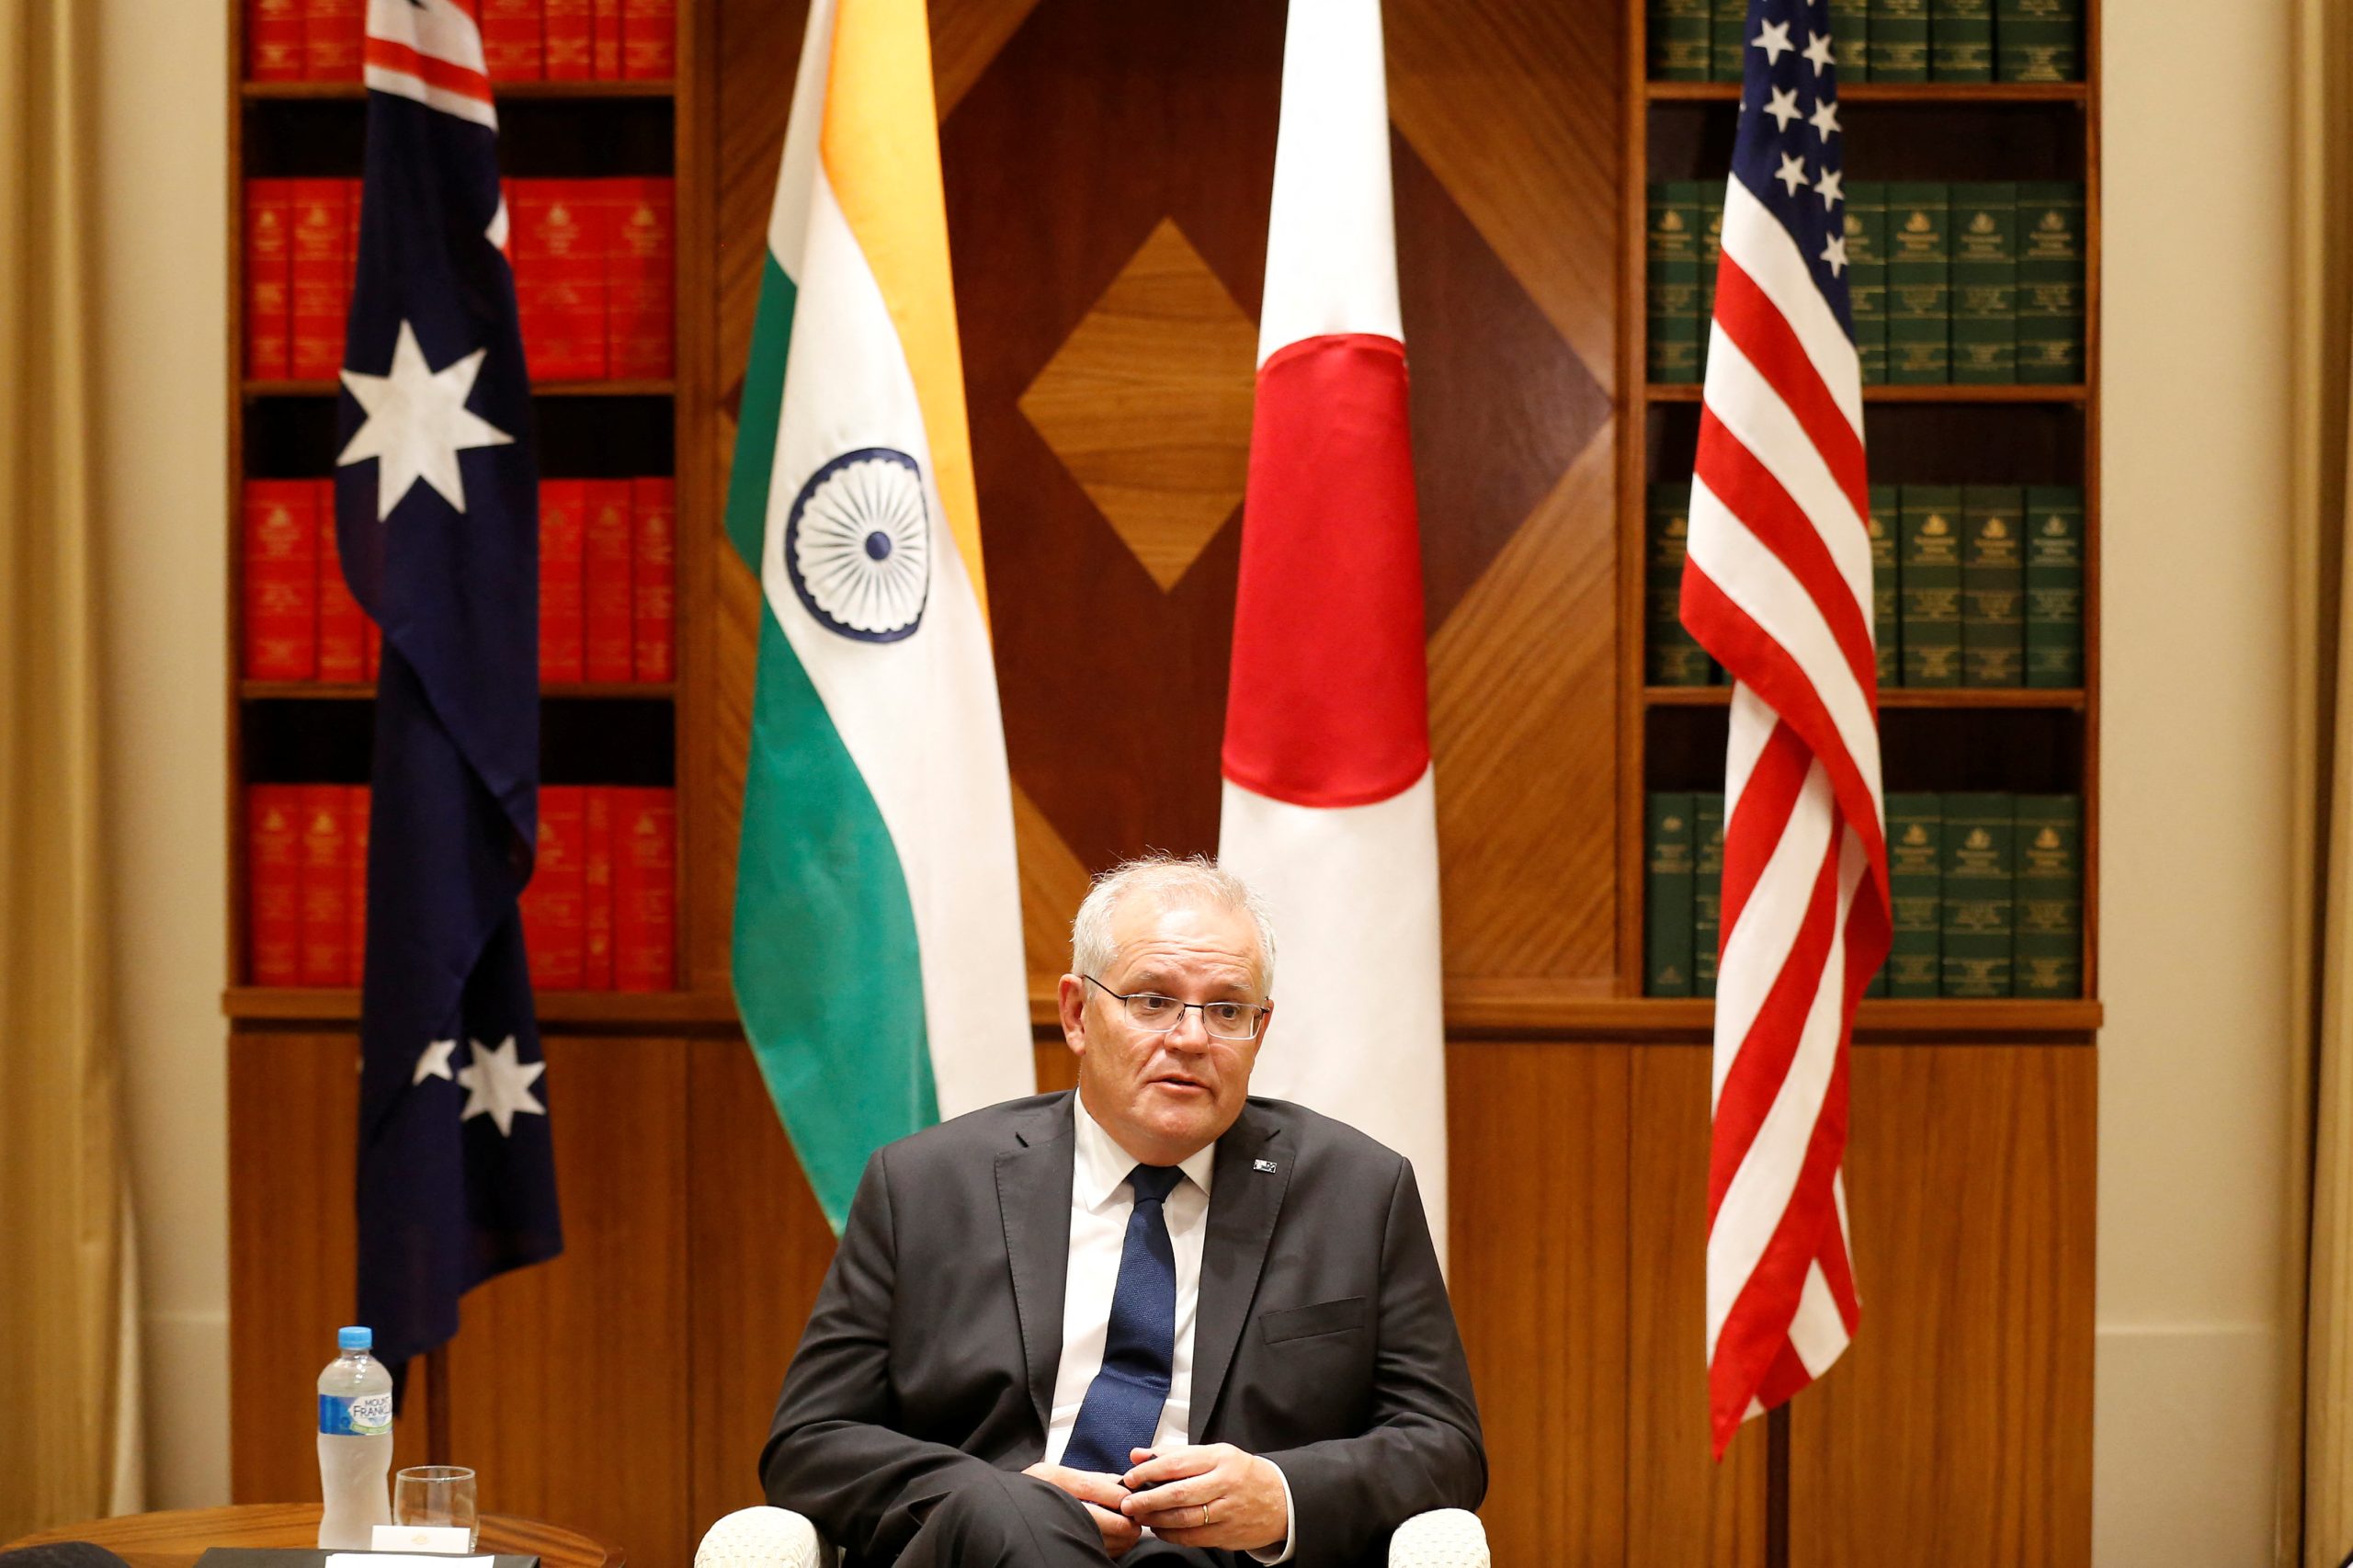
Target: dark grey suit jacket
[1323,1340]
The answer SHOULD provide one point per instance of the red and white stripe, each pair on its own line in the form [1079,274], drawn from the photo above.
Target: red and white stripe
[1777,587]
[430,51]
[1328,806]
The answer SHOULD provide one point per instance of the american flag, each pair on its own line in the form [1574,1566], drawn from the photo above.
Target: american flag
[1778,587]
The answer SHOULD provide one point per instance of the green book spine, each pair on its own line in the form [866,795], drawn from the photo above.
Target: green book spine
[1919,283]
[1928,582]
[1674,279]
[1980,862]
[1885,639]
[2038,40]
[1866,223]
[1916,872]
[2050,283]
[1899,33]
[1992,586]
[1707,892]
[1678,40]
[1727,61]
[1668,852]
[2048,950]
[1960,40]
[1984,283]
[2054,587]
[1712,252]
[1851,40]
[1676,659]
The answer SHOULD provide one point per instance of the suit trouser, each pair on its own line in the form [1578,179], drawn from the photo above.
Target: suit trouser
[1018,1521]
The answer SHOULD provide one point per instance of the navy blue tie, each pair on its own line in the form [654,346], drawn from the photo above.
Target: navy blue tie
[1122,1407]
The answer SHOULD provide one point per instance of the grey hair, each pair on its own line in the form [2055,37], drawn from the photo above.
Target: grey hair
[1170,879]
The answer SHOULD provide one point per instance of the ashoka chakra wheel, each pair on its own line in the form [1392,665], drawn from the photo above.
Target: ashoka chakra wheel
[858,545]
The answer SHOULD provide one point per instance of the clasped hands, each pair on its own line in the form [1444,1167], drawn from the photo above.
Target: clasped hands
[1209,1495]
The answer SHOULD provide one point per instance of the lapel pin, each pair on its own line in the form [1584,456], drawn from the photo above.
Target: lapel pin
[1266,1166]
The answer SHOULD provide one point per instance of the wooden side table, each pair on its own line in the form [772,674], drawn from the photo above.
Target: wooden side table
[176,1539]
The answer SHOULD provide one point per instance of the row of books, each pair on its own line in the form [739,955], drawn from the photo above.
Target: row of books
[1971,283]
[1988,891]
[1977,585]
[599,915]
[1884,40]
[593,275]
[522,41]
[607,576]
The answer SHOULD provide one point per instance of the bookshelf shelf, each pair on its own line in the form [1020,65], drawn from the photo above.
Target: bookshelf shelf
[568,1010]
[1896,697]
[362,691]
[355,91]
[254,390]
[1937,93]
[1947,392]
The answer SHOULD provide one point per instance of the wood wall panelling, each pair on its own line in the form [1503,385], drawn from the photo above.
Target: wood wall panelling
[1959,1420]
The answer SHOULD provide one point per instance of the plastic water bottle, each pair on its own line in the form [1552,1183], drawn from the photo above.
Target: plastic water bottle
[354,1443]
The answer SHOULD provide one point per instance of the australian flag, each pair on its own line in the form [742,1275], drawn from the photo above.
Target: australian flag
[436,513]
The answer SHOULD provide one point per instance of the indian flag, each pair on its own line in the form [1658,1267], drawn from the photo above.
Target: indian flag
[878,961]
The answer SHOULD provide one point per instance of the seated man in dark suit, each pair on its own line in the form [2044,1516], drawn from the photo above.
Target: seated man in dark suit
[1155,1305]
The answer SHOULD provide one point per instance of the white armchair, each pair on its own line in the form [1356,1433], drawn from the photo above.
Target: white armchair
[778,1538]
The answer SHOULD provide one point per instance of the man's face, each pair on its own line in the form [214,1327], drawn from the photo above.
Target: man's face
[1165,1092]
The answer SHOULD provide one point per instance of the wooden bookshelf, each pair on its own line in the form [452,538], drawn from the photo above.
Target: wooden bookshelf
[2064,115]
[507,91]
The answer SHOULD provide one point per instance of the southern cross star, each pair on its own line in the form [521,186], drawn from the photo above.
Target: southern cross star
[417,424]
[498,1086]
[433,1062]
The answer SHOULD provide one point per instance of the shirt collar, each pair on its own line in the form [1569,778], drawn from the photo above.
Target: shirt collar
[1101,1167]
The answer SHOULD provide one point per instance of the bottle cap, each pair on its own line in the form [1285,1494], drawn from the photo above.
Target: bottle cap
[350,1339]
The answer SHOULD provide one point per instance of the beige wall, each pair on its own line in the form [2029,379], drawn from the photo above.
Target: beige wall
[2195,738]
[162,132]
[2195,734]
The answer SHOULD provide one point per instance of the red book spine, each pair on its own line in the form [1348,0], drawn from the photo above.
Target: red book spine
[606,581]
[274,883]
[273,40]
[280,587]
[649,38]
[597,890]
[654,583]
[608,43]
[552,909]
[269,278]
[334,32]
[511,41]
[356,807]
[319,274]
[639,313]
[326,885]
[569,31]
[644,891]
[563,508]
[560,278]
[343,630]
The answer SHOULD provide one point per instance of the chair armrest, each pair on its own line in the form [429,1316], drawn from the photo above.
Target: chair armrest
[766,1538]
[1443,1538]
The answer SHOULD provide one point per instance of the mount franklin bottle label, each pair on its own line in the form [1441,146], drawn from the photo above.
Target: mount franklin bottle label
[360,1416]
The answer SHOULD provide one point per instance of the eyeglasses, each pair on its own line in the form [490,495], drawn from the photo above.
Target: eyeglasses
[1223,1020]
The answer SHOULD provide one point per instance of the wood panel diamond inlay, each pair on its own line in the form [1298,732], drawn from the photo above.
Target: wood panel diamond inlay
[1147,403]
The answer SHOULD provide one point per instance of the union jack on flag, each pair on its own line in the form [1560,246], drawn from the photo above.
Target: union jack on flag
[1778,587]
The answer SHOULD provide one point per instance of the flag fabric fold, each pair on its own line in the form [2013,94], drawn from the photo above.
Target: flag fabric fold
[436,522]
[1776,584]
[877,964]
[1329,808]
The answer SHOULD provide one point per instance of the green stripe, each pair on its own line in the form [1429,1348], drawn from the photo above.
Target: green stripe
[828,974]
[759,414]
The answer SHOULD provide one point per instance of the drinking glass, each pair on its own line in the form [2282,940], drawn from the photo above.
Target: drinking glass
[440,1495]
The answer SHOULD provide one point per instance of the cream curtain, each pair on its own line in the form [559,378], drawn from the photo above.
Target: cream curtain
[67,1448]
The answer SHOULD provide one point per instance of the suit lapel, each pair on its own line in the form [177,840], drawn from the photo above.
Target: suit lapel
[1033,1194]
[1245,1201]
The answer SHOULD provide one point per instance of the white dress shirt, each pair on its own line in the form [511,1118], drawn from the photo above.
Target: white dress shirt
[1100,1204]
